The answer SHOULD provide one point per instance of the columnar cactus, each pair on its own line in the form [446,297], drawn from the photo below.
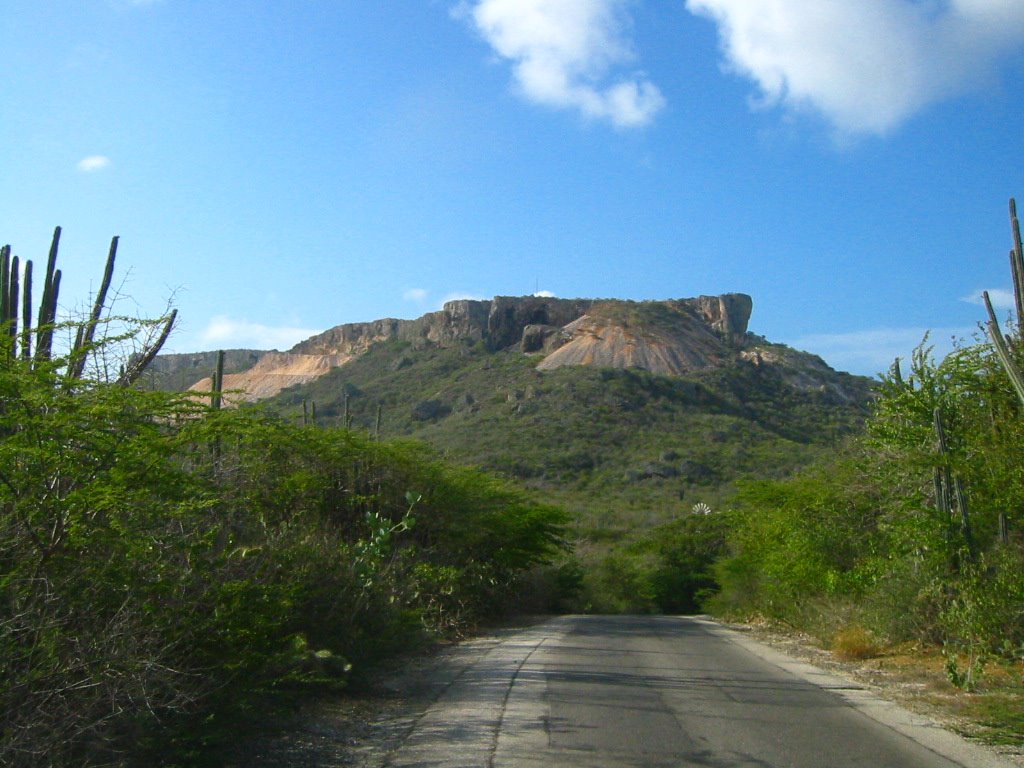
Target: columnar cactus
[949,487]
[15,302]
[999,341]
[1017,268]
[26,309]
[48,302]
[87,332]
[11,315]
[5,278]
[10,290]
[217,385]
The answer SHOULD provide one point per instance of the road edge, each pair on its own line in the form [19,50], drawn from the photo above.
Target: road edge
[921,729]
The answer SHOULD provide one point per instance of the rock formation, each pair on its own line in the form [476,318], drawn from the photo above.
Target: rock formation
[502,322]
[670,337]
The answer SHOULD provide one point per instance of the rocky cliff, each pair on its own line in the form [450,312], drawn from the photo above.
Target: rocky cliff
[506,321]
[498,323]
[668,337]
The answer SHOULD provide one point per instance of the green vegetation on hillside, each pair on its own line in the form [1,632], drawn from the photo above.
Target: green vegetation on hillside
[626,452]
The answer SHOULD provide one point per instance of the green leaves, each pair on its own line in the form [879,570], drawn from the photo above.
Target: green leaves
[159,561]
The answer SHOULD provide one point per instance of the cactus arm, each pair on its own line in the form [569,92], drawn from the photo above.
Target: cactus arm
[217,385]
[45,299]
[87,332]
[132,372]
[26,316]
[12,302]
[48,315]
[1002,349]
[48,301]
[1017,267]
[943,500]
[5,283]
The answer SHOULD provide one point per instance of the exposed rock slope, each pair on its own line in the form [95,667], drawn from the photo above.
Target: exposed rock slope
[671,337]
[273,372]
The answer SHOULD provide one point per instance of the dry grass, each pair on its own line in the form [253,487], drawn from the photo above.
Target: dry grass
[854,643]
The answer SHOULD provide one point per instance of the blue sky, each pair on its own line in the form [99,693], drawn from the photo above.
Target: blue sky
[278,168]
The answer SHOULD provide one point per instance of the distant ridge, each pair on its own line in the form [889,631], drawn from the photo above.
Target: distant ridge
[671,337]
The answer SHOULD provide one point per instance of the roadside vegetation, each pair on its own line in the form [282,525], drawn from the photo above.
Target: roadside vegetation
[913,534]
[627,453]
[171,573]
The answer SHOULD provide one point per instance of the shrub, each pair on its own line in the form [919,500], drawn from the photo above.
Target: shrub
[854,643]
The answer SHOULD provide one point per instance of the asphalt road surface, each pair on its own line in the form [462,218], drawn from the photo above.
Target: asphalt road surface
[604,692]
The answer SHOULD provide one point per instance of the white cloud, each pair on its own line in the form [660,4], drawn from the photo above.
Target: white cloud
[1000,298]
[544,294]
[415,294]
[228,333]
[871,352]
[93,163]
[866,65]
[570,54]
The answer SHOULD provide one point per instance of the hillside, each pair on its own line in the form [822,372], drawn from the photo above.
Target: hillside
[625,449]
[627,413]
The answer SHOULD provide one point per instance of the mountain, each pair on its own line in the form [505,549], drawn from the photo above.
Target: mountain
[627,413]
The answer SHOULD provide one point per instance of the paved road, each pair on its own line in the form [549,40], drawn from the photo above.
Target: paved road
[604,692]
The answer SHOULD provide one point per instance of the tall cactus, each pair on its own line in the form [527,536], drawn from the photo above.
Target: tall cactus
[217,385]
[5,279]
[12,303]
[48,302]
[8,311]
[47,315]
[14,293]
[1017,268]
[26,312]
[999,341]
[949,488]
[87,331]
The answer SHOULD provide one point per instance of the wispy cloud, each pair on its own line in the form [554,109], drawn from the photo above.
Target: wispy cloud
[226,332]
[93,163]
[1001,298]
[866,66]
[572,54]
[415,294]
[872,352]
